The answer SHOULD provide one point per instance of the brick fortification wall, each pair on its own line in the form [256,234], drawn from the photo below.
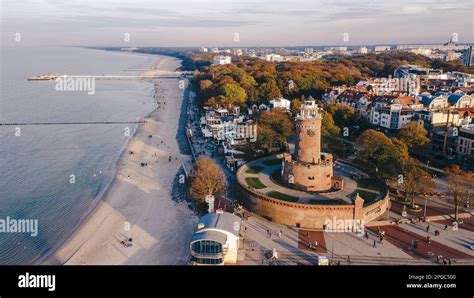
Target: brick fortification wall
[309,216]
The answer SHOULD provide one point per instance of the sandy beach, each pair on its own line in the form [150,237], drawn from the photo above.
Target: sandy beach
[138,203]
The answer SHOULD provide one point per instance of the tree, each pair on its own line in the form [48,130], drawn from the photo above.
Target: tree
[415,180]
[269,90]
[384,155]
[273,128]
[232,94]
[347,116]
[329,131]
[414,135]
[207,180]
[205,84]
[295,106]
[460,185]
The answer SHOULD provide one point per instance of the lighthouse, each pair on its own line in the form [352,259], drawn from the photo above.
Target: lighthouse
[308,169]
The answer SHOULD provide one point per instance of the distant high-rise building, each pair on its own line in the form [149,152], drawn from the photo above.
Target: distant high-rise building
[308,51]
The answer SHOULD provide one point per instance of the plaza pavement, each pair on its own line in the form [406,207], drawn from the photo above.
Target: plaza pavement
[351,248]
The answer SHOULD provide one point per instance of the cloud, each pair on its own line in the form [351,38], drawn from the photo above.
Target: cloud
[256,20]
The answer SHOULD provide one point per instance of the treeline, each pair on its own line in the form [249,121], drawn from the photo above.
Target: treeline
[252,80]
[190,60]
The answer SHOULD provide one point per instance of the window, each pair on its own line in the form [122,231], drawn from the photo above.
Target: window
[207,247]
[206,261]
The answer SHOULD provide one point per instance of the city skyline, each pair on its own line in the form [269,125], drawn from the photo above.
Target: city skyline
[243,24]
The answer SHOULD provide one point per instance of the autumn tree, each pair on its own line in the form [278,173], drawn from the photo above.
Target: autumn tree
[330,132]
[269,90]
[295,106]
[347,117]
[415,180]
[232,94]
[208,179]
[414,135]
[460,186]
[264,80]
[273,129]
[383,155]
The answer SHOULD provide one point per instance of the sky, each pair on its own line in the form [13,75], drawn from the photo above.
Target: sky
[235,23]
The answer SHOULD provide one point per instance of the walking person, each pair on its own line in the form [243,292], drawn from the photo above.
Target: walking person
[374,244]
[427,228]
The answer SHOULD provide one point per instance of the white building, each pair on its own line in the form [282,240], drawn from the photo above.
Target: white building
[274,58]
[280,103]
[433,118]
[382,86]
[238,52]
[392,113]
[421,51]
[382,48]
[466,140]
[362,50]
[225,127]
[460,100]
[221,60]
[217,240]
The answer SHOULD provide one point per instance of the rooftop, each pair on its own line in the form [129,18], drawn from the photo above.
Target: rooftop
[222,221]
[210,235]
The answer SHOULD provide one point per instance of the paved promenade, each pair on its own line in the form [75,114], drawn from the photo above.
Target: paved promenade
[347,248]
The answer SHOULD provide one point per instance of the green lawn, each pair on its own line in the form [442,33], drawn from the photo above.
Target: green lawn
[253,170]
[272,162]
[370,183]
[328,202]
[282,196]
[254,182]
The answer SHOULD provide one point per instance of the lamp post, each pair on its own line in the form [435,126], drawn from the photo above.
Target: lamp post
[210,200]
[388,209]
[424,211]
[332,250]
